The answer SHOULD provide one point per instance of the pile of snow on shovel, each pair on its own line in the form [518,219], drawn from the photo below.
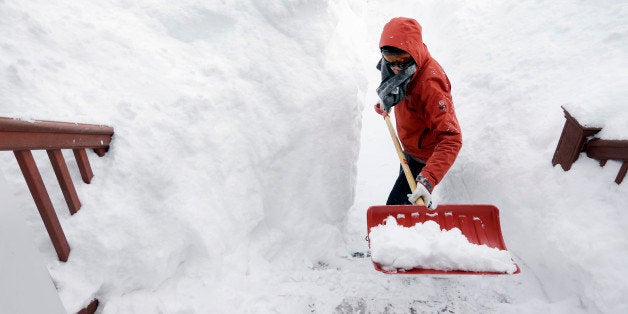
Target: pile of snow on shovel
[425,245]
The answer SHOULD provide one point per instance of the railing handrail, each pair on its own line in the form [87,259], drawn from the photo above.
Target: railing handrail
[16,134]
[39,126]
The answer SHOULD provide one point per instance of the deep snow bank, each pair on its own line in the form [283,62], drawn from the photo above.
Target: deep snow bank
[235,132]
[527,59]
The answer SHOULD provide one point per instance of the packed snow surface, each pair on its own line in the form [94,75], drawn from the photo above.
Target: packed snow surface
[425,245]
[246,150]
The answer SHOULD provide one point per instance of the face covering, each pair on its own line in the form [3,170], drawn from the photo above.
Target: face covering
[393,87]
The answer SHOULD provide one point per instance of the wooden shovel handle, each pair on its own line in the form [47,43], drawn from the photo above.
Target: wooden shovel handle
[402,158]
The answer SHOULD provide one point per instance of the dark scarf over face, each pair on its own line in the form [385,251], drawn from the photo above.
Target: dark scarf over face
[393,87]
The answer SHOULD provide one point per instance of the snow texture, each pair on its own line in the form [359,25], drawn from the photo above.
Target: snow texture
[246,150]
[425,245]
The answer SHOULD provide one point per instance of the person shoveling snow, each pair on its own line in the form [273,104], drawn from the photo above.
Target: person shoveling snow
[419,90]
[416,86]
[425,245]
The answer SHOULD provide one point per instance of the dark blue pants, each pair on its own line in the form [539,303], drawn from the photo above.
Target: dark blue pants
[399,193]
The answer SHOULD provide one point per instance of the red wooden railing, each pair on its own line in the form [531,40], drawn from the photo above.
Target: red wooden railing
[576,138]
[22,137]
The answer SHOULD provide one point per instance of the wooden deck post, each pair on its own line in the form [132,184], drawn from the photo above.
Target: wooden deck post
[43,203]
[83,164]
[65,181]
[622,172]
[571,142]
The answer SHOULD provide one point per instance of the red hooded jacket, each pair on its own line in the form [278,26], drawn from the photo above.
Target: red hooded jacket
[425,118]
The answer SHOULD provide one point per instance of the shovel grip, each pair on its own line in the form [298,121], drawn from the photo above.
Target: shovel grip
[402,159]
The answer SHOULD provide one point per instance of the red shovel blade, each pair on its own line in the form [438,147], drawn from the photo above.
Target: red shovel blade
[479,223]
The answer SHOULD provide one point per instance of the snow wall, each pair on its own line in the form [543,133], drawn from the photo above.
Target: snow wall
[236,131]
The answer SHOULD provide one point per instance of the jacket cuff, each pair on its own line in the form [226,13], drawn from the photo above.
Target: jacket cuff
[425,182]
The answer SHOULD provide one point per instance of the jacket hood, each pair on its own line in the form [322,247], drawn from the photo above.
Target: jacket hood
[405,34]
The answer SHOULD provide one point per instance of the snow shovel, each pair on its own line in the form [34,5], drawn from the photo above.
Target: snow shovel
[479,223]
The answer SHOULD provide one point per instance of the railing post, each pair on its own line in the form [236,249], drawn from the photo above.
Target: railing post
[91,308]
[65,181]
[622,172]
[571,142]
[83,164]
[100,151]
[42,201]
